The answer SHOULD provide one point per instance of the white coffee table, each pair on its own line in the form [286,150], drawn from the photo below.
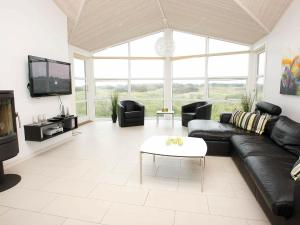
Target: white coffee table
[161,113]
[191,148]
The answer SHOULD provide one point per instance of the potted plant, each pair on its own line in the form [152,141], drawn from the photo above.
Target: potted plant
[247,102]
[114,105]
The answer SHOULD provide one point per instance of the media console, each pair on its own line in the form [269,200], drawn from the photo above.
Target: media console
[52,128]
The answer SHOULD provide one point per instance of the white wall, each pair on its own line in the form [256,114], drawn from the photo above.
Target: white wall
[285,35]
[31,27]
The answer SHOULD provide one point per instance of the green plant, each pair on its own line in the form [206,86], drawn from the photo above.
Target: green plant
[114,102]
[247,102]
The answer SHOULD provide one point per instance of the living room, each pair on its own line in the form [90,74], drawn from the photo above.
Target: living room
[149,112]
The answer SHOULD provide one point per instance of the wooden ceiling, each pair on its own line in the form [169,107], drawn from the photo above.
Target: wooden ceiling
[97,24]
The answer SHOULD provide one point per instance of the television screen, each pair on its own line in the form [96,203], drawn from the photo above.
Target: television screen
[48,77]
[59,78]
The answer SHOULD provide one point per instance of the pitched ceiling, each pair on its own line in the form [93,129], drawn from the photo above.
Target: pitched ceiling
[97,24]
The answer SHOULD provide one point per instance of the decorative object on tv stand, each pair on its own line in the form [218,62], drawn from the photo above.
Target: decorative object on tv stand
[247,102]
[9,146]
[114,104]
[290,78]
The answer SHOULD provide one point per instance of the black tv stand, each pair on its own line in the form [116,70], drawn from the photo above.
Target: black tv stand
[36,132]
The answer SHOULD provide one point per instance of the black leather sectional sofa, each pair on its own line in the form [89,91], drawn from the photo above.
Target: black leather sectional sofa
[265,161]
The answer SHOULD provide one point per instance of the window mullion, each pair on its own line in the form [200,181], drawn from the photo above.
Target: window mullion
[129,70]
[206,90]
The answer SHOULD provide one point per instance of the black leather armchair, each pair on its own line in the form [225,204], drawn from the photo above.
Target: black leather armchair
[196,110]
[130,113]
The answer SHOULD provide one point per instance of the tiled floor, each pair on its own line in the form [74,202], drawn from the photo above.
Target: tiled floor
[94,179]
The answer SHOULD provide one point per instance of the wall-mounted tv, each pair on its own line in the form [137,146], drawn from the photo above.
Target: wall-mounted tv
[49,77]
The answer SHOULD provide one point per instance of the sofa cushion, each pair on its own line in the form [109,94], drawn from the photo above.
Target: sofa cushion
[286,133]
[211,130]
[133,114]
[273,180]
[246,145]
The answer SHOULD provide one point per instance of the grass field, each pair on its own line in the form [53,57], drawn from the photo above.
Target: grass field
[225,97]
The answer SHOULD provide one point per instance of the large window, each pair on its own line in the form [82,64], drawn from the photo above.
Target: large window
[147,84]
[187,91]
[80,87]
[188,82]
[149,93]
[260,79]
[201,69]
[139,78]
[217,72]
[227,75]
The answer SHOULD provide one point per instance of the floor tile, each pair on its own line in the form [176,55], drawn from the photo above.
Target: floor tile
[242,190]
[3,209]
[34,181]
[120,214]
[21,217]
[177,201]
[78,208]
[114,178]
[255,222]
[168,172]
[122,194]
[78,222]
[211,186]
[26,199]
[153,183]
[232,207]
[95,158]
[167,161]
[73,187]
[182,218]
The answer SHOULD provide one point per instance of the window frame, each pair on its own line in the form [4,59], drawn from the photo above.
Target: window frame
[258,75]
[85,79]
[204,78]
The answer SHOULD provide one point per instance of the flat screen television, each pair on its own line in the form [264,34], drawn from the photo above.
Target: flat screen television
[49,77]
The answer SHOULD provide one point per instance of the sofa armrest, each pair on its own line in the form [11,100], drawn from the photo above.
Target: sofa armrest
[142,108]
[225,117]
[121,112]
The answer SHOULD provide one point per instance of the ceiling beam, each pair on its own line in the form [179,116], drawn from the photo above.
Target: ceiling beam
[257,20]
[163,14]
[76,20]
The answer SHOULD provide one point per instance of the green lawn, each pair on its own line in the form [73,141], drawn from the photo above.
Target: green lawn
[151,95]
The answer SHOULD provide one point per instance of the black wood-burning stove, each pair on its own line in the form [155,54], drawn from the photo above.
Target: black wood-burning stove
[9,147]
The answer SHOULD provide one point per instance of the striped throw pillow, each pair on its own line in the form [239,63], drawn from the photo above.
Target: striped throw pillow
[250,121]
[295,173]
[234,115]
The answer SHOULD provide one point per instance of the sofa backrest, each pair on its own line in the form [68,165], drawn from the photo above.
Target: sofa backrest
[269,108]
[129,105]
[286,133]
